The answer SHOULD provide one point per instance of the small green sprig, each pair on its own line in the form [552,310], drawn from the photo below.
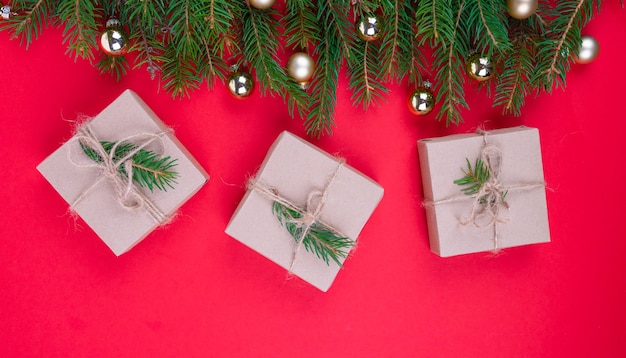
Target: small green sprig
[320,239]
[474,179]
[149,170]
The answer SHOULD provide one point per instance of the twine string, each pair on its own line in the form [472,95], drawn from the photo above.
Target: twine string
[127,194]
[309,215]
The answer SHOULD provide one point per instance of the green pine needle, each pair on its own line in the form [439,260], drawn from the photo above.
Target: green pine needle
[188,42]
[321,240]
[474,179]
[149,169]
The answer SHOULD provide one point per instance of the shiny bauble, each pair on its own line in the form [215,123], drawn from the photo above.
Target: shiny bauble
[421,102]
[369,27]
[262,4]
[240,84]
[521,9]
[114,40]
[300,67]
[479,67]
[5,12]
[589,50]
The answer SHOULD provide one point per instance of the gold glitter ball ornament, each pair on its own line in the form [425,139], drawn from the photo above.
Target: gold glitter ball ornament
[521,9]
[479,67]
[240,84]
[301,67]
[262,4]
[589,50]
[421,102]
[369,27]
[114,40]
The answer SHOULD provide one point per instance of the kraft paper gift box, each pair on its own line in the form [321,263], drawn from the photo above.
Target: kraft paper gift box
[449,212]
[95,198]
[294,169]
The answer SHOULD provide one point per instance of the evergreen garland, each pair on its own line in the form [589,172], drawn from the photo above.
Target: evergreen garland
[188,42]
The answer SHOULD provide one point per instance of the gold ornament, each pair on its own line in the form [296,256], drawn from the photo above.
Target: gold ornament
[301,67]
[114,40]
[422,101]
[368,27]
[521,9]
[589,50]
[240,84]
[479,67]
[262,4]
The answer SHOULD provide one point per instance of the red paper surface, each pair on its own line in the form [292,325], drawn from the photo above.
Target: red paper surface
[190,290]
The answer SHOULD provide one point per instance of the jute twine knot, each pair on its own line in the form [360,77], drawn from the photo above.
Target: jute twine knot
[127,194]
[311,212]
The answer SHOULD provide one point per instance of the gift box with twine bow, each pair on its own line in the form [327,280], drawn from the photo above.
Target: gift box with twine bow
[97,173]
[484,191]
[304,210]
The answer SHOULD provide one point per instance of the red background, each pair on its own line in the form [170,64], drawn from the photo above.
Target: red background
[190,290]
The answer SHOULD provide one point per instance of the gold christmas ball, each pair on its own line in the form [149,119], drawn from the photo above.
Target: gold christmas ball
[262,4]
[589,50]
[521,9]
[114,40]
[421,102]
[240,84]
[300,67]
[479,67]
[368,27]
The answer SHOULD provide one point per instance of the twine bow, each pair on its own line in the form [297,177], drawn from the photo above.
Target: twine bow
[309,215]
[128,196]
[488,200]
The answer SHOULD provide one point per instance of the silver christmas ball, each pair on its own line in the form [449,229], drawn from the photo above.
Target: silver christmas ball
[301,67]
[240,84]
[114,40]
[368,27]
[521,9]
[5,12]
[262,4]
[589,50]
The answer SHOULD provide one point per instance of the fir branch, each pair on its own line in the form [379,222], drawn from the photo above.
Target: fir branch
[400,53]
[260,46]
[336,40]
[211,38]
[81,24]
[320,240]
[489,26]
[146,14]
[364,72]
[474,178]
[556,53]
[435,22]
[31,18]
[178,73]
[148,49]
[449,78]
[116,66]
[301,26]
[149,170]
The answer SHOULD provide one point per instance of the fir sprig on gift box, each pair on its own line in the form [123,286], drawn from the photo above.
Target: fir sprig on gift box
[319,239]
[474,180]
[149,169]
